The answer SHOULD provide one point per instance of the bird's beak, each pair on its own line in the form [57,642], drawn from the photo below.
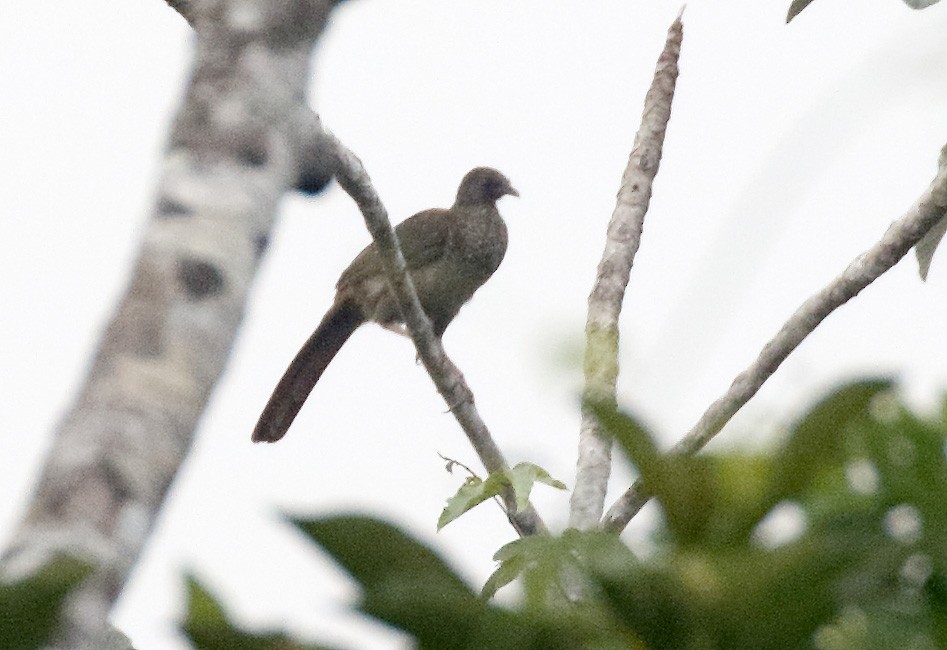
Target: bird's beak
[512,191]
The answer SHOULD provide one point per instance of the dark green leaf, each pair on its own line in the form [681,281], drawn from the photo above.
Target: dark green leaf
[376,553]
[29,608]
[208,628]
[634,438]
[935,590]
[435,617]
[684,485]
[818,439]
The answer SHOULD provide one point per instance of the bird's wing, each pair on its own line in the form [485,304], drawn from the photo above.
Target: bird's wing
[423,239]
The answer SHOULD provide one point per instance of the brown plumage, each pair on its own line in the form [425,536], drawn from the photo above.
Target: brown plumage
[449,254]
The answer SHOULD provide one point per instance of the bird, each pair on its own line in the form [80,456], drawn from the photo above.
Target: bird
[449,255]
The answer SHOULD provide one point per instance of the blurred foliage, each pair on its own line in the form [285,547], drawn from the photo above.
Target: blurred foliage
[835,540]
[209,628]
[29,608]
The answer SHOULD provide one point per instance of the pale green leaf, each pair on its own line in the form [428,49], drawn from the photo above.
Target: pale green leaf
[473,492]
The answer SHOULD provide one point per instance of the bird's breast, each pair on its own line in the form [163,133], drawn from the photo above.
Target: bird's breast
[479,243]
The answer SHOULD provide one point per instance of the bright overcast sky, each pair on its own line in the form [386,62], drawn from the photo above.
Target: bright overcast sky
[789,151]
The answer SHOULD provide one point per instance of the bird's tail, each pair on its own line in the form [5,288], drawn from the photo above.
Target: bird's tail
[303,373]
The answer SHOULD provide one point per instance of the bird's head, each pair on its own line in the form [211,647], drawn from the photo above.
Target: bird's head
[484,185]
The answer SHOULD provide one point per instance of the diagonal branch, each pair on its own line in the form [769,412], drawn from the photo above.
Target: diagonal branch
[904,233]
[447,377]
[624,236]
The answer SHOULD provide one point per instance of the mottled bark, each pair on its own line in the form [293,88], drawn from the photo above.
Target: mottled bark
[242,138]
[593,466]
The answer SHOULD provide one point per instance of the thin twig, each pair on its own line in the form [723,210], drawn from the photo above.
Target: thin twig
[451,462]
[605,301]
[447,377]
[904,233]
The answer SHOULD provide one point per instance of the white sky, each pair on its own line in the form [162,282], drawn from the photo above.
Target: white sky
[790,150]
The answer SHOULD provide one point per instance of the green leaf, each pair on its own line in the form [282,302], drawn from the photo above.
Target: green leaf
[633,437]
[406,585]
[523,476]
[545,561]
[473,492]
[29,608]
[847,579]
[510,569]
[737,499]
[935,591]
[208,627]
[819,439]
[683,484]
[542,556]
[540,560]
[377,554]
[439,623]
[647,599]
[435,617]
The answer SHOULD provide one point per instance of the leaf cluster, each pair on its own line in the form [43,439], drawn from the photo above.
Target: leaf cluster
[833,541]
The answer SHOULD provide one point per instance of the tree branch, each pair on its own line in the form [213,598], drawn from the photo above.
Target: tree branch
[446,376]
[903,234]
[623,238]
[232,153]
